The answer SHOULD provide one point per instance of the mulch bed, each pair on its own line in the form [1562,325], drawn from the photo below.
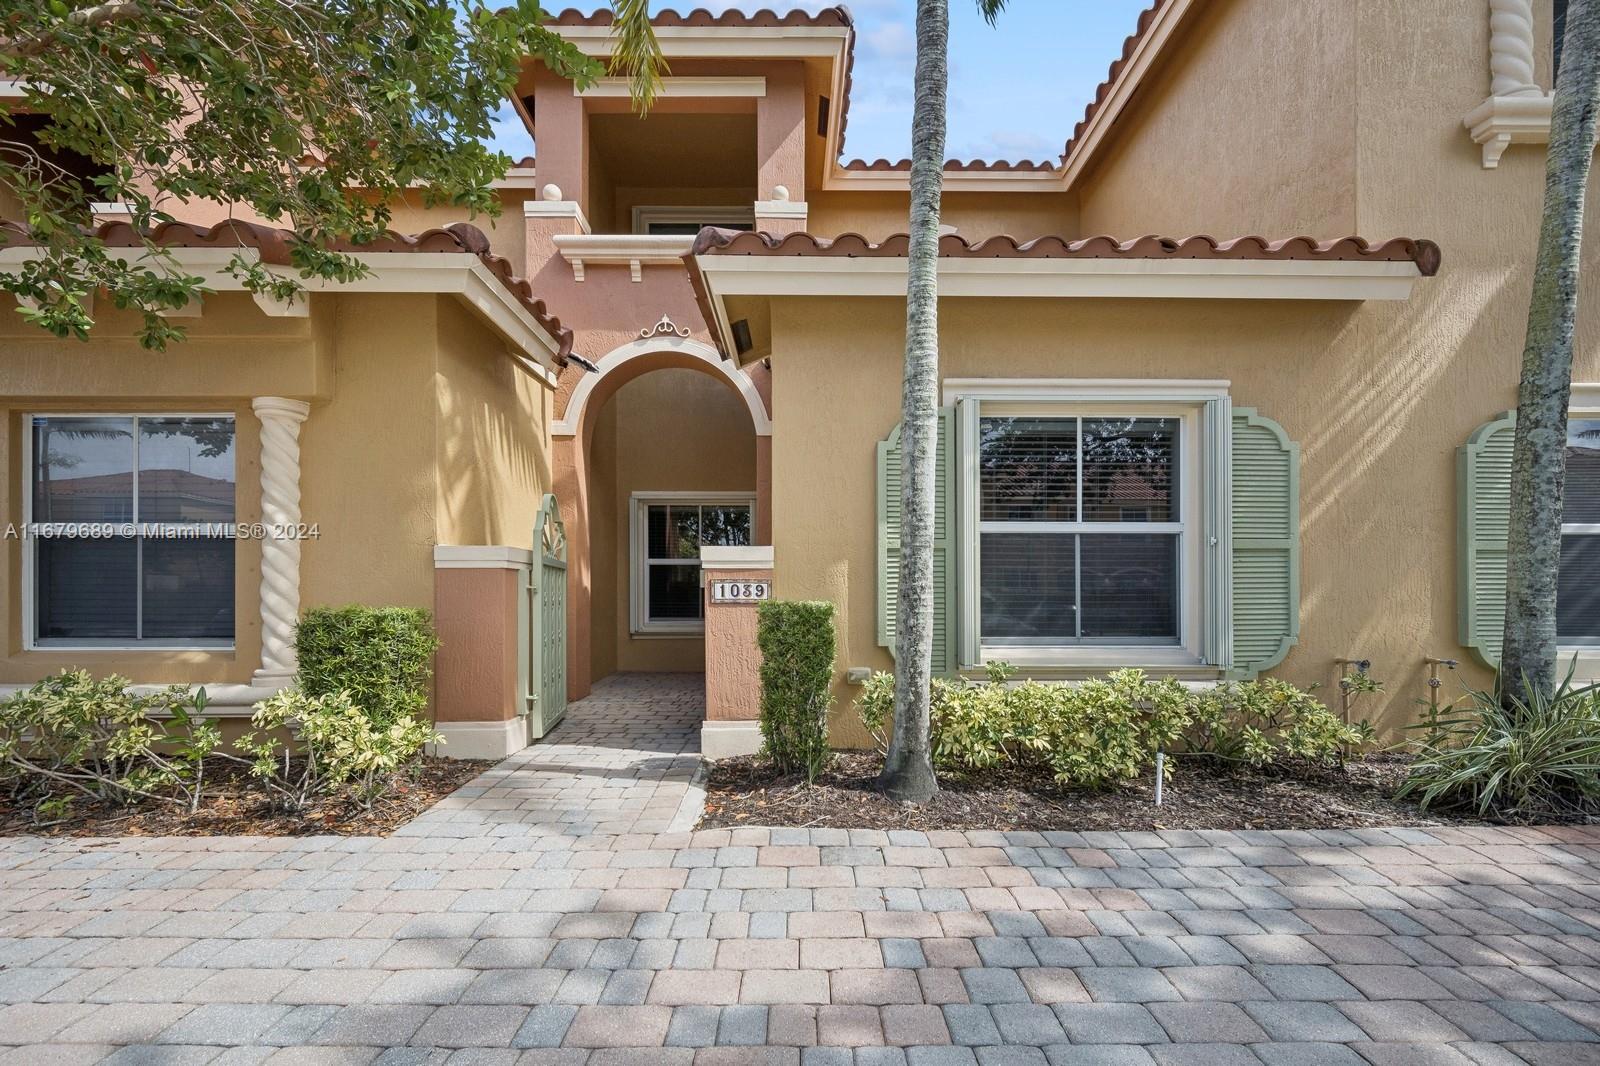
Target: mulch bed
[1202,794]
[234,806]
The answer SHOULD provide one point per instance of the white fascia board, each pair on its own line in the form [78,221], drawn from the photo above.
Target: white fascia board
[679,87]
[1216,279]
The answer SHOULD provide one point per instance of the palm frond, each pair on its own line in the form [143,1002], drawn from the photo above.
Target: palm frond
[990,9]
[636,54]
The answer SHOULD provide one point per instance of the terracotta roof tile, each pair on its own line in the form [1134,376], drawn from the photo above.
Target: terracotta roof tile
[1147,18]
[828,16]
[1424,253]
[273,245]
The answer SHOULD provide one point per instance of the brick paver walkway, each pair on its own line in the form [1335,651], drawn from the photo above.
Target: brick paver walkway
[490,936]
[619,762]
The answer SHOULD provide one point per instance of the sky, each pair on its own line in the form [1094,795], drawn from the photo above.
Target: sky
[1016,90]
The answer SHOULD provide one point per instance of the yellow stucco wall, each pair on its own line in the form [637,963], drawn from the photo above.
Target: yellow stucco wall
[1376,405]
[975,215]
[491,434]
[421,430]
[644,443]
[1276,119]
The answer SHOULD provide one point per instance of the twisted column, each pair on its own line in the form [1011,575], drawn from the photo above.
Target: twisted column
[1511,48]
[280,547]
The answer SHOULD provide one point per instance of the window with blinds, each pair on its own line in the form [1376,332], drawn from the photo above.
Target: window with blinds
[1578,585]
[1080,530]
[131,535]
[668,536]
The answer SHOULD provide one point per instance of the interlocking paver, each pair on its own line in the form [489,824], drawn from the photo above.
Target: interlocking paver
[546,905]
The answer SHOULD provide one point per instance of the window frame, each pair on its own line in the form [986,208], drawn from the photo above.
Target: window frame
[31,641]
[1204,558]
[639,562]
[645,214]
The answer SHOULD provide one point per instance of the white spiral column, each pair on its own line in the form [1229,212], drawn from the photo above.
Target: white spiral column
[1511,48]
[280,547]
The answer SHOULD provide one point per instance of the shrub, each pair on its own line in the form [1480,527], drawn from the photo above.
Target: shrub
[336,744]
[797,642]
[1265,721]
[1090,735]
[1097,733]
[381,656]
[1537,758]
[70,737]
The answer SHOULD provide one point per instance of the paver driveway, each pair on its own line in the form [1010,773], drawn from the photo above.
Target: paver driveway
[496,931]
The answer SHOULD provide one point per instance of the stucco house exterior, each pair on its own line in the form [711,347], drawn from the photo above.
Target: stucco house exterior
[1224,387]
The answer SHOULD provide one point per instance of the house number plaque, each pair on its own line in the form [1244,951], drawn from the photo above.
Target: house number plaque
[740,591]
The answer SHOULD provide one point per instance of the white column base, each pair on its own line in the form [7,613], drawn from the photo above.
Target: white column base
[723,740]
[480,740]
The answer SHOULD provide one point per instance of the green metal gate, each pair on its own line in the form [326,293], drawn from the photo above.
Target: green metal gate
[543,621]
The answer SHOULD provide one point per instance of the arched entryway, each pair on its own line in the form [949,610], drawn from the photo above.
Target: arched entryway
[612,487]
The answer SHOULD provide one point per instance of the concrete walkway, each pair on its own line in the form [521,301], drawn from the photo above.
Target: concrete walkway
[516,927]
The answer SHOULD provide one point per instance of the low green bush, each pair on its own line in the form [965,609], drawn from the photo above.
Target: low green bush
[1267,721]
[72,737]
[381,656]
[797,647]
[1535,759]
[1097,733]
[314,745]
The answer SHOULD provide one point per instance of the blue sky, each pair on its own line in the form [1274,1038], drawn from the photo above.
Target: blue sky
[1016,90]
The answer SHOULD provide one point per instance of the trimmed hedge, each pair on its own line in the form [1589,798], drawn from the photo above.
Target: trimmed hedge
[797,642]
[381,656]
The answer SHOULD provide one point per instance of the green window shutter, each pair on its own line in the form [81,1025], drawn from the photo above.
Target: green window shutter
[1266,543]
[1483,492]
[944,543]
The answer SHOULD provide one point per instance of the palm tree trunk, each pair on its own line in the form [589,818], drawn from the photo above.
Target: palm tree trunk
[1538,464]
[907,770]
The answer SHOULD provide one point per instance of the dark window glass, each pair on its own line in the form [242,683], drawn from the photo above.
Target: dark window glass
[1582,496]
[1028,469]
[132,587]
[1130,586]
[674,593]
[188,589]
[83,469]
[1130,469]
[186,470]
[725,527]
[1029,590]
[85,589]
[676,531]
[1578,589]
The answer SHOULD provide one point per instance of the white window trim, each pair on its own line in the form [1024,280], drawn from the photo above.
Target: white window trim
[1204,580]
[638,557]
[644,214]
[30,621]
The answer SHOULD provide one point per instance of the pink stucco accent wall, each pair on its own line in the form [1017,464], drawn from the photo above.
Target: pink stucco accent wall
[733,660]
[475,670]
